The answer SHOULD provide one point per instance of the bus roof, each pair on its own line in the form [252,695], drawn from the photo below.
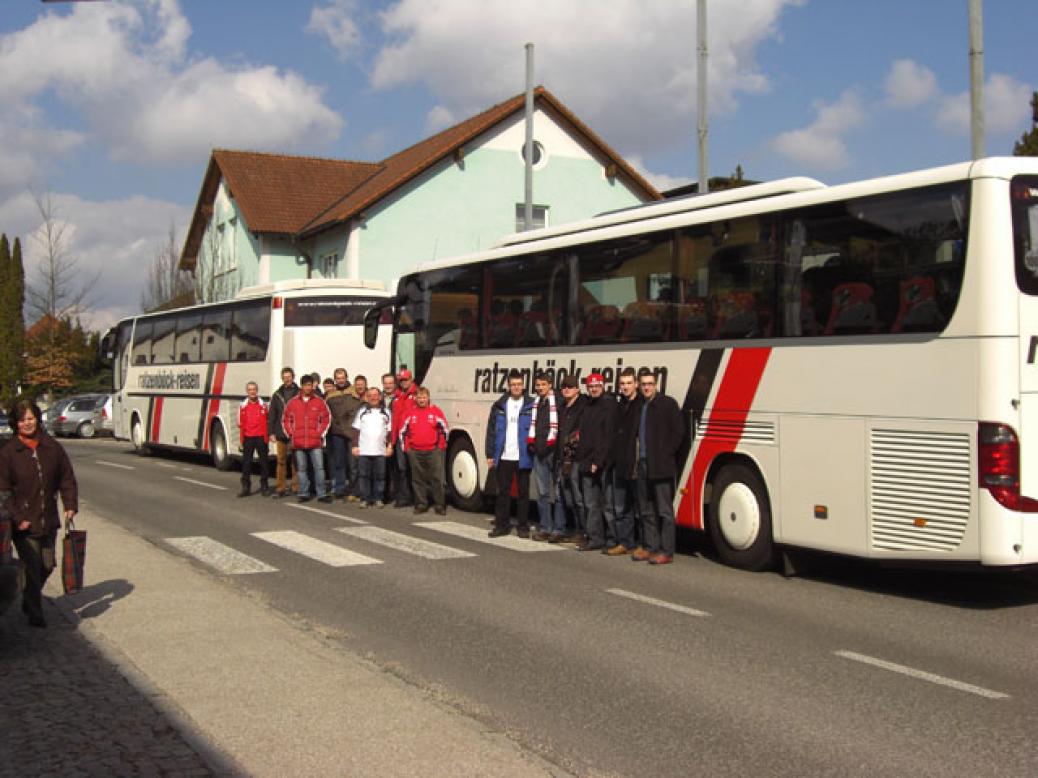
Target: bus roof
[787,193]
[310,284]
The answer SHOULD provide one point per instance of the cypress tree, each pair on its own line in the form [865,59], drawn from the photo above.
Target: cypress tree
[16,332]
[6,321]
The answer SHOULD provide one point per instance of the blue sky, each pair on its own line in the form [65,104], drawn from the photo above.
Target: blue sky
[112,107]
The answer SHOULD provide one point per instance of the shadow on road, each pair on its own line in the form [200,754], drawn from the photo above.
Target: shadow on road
[95,599]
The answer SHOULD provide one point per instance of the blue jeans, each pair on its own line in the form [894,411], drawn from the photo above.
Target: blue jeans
[549,500]
[591,484]
[316,457]
[573,499]
[625,495]
[656,506]
[341,456]
[371,475]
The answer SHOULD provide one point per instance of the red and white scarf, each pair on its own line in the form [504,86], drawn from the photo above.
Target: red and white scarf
[553,421]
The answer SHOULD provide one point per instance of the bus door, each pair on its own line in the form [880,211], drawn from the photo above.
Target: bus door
[1025,227]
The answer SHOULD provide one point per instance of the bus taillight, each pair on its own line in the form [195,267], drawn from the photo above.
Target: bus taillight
[276,303]
[998,450]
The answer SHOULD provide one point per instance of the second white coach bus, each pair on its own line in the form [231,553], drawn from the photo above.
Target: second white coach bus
[179,375]
[856,363]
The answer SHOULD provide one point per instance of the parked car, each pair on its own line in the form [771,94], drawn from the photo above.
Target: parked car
[5,426]
[103,422]
[76,416]
[9,578]
[51,414]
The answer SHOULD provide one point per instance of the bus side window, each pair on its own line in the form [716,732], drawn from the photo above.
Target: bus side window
[142,343]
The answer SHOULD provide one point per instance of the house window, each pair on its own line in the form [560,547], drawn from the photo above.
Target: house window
[329,265]
[540,217]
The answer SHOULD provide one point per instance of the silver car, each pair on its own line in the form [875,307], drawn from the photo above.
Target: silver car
[76,416]
[103,423]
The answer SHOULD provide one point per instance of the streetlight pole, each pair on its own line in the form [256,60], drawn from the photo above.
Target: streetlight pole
[704,185]
[976,78]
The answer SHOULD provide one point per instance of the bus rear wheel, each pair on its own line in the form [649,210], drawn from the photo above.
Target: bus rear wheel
[740,519]
[218,449]
[463,476]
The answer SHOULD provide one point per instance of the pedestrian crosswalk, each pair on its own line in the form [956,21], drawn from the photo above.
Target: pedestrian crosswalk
[229,561]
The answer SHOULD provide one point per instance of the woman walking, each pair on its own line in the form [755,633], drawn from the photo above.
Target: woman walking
[33,469]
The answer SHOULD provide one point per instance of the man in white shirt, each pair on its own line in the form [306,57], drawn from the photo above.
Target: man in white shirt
[508,455]
[373,424]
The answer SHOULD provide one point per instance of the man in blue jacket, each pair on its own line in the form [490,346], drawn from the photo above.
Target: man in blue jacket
[508,456]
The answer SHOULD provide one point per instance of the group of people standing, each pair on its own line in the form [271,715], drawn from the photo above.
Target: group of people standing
[371,445]
[604,465]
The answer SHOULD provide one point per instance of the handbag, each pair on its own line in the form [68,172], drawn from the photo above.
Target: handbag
[73,554]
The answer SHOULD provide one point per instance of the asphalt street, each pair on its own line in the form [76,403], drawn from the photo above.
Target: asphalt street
[603,666]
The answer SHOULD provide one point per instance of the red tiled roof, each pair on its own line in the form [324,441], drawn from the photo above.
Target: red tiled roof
[275,193]
[405,165]
[302,196]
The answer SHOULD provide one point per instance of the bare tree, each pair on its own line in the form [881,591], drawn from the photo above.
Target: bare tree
[166,281]
[217,277]
[61,288]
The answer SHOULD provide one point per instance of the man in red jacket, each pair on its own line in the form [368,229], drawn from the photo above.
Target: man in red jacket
[423,437]
[306,422]
[252,425]
[400,404]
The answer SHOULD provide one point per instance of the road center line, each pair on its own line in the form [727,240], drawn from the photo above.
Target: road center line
[199,483]
[114,464]
[166,465]
[326,513]
[658,603]
[922,675]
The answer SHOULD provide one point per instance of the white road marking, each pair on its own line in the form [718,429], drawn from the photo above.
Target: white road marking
[318,550]
[409,545]
[326,513]
[167,465]
[658,603]
[479,535]
[199,483]
[114,464]
[223,558]
[923,675]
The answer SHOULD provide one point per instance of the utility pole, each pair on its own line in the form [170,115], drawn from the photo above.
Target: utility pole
[976,78]
[701,80]
[528,144]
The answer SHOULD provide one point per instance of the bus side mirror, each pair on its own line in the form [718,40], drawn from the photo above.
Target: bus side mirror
[107,354]
[371,320]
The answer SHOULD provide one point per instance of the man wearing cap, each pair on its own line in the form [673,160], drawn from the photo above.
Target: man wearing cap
[570,413]
[508,456]
[594,457]
[660,429]
[401,403]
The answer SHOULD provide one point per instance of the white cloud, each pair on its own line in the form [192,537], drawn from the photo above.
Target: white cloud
[910,84]
[119,238]
[127,70]
[1007,107]
[662,181]
[439,118]
[335,22]
[820,145]
[612,68]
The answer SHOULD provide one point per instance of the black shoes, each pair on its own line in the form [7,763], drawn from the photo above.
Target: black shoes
[326,499]
[265,491]
[303,498]
[498,532]
[37,621]
[441,511]
[245,491]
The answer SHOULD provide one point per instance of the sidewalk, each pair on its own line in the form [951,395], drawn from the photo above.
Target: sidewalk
[239,687]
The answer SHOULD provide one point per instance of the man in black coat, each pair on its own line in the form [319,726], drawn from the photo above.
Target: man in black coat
[625,463]
[571,410]
[660,429]
[594,457]
[288,389]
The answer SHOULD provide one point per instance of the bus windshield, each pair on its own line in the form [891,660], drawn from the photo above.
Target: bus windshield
[1024,193]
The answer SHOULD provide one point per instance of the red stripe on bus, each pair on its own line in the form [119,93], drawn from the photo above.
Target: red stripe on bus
[156,419]
[214,403]
[734,398]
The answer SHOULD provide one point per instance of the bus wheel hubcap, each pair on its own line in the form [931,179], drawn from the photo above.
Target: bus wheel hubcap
[464,474]
[739,516]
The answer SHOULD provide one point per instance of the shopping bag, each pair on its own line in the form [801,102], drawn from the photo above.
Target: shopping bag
[73,554]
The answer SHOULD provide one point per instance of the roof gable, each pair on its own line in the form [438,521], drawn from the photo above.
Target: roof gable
[405,165]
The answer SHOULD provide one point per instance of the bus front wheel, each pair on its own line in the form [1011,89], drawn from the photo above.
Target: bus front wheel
[740,519]
[218,449]
[463,476]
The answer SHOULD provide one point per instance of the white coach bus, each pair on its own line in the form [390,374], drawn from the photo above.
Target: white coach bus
[856,363]
[179,375]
